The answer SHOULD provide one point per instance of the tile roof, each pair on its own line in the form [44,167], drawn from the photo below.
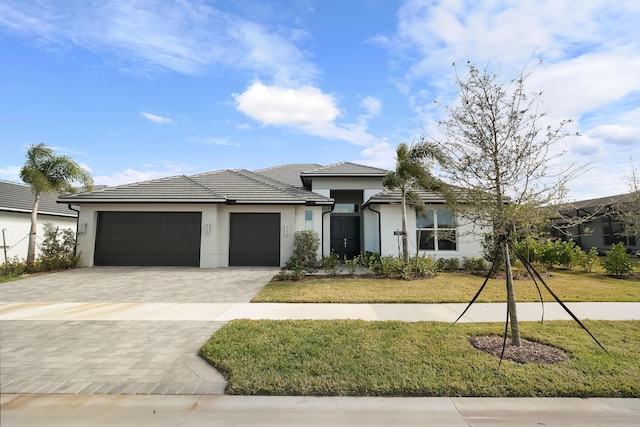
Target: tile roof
[224,186]
[290,173]
[15,197]
[243,186]
[178,188]
[601,201]
[345,169]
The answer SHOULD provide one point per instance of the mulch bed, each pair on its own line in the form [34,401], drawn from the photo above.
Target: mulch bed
[528,352]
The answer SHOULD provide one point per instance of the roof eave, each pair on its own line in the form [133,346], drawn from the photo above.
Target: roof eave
[138,200]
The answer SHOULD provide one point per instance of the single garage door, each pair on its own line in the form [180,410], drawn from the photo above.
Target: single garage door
[254,239]
[148,238]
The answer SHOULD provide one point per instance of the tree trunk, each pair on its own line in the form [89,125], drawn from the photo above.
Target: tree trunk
[31,251]
[405,241]
[511,297]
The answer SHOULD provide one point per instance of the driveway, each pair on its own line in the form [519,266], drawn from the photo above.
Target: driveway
[118,357]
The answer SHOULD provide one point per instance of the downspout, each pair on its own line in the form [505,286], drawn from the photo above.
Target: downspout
[75,247]
[323,214]
[379,230]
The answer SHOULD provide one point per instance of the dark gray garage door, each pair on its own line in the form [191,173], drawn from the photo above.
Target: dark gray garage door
[254,239]
[148,238]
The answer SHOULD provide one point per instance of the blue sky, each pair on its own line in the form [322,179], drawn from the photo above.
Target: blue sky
[137,90]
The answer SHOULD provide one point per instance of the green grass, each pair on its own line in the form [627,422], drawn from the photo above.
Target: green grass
[570,286]
[358,358]
[9,278]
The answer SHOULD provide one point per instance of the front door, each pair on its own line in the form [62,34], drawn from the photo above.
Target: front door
[345,236]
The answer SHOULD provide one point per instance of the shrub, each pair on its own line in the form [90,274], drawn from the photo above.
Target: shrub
[305,248]
[330,264]
[550,253]
[474,265]
[425,265]
[448,264]
[353,264]
[588,260]
[617,262]
[290,275]
[370,259]
[304,258]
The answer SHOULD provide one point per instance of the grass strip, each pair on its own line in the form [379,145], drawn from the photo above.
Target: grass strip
[449,288]
[358,358]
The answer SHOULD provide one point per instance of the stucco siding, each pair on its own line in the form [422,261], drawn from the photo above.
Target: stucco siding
[469,239]
[16,226]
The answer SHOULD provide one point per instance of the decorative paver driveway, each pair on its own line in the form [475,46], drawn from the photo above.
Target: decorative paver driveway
[118,357]
[141,284]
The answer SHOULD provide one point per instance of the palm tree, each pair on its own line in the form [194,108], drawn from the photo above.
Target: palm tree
[411,175]
[47,173]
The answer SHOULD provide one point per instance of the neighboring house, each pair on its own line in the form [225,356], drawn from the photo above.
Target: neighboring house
[600,228]
[239,217]
[16,203]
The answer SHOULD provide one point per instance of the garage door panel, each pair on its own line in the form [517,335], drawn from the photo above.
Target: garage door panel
[254,239]
[148,238]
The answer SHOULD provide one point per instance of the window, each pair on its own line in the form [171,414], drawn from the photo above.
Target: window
[436,225]
[346,208]
[611,229]
[308,220]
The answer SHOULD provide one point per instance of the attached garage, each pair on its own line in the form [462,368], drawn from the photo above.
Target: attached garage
[254,239]
[148,239]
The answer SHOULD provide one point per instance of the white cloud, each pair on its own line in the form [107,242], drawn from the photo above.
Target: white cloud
[617,134]
[151,171]
[213,141]
[187,37]
[156,119]
[273,55]
[372,105]
[306,109]
[381,155]
[127,176]
[274,105]
[10,173]
[589,74]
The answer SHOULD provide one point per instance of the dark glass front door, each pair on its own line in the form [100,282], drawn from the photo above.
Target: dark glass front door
[345,236]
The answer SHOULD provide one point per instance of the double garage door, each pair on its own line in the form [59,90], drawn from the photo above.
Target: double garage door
[173,239]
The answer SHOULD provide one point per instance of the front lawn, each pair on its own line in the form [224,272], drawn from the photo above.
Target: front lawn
[358,358]
[570,286]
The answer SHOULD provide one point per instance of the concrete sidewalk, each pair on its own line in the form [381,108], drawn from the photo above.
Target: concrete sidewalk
[193,411]
[224,312]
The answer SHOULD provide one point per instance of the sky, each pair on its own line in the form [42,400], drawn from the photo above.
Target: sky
[135,90]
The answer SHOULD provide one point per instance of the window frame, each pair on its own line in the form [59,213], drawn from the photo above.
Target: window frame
[436,242]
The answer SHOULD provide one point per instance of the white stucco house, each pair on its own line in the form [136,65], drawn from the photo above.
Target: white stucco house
[16,203]
[240,217]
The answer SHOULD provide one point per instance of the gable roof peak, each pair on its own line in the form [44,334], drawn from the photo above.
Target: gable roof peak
[346,169]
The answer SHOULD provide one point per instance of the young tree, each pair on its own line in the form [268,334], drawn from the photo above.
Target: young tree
[495,145]
[411,175]
[47,173]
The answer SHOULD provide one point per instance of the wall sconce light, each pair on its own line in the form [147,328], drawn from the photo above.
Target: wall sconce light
[286,230]
[207,228]
[82,228]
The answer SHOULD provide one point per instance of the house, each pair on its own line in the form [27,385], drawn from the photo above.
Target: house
[600,228]
[240,217]
[16,203]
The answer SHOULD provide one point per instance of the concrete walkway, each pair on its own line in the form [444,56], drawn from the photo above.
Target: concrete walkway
[118,346]
[196,411]
[212,312]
